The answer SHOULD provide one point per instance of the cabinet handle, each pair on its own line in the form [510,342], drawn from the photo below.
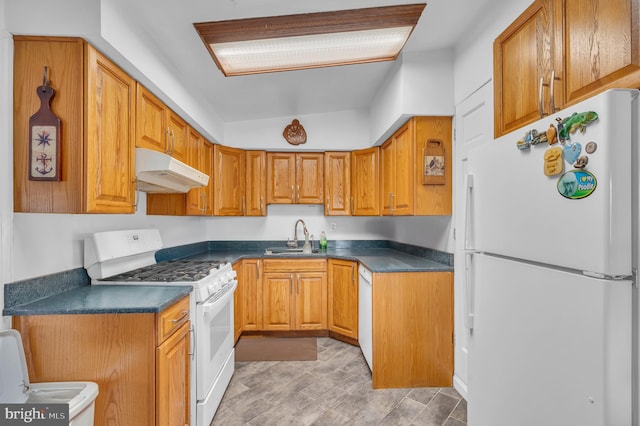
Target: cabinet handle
[173,142]
[136,195]
[261,204]
[552,89]
[293,195]
[180,318]
[290,283]
[168,150]
[391,202]
[540,105]
[327,208]
[298,199]
[258,270]
[353,276]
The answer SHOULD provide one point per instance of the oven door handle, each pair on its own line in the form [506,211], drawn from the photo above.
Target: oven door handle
[212,306]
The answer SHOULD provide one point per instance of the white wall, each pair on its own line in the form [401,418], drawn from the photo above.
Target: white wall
[421,84]
[473,61]
[6,158]
[340,131]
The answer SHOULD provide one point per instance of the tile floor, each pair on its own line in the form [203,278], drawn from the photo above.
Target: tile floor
[334,390]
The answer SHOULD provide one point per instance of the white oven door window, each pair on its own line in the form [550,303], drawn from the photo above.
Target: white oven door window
[214,340]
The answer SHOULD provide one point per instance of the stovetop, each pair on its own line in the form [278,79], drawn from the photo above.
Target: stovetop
[170,271]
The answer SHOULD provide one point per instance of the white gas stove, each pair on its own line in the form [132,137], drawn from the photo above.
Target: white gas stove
[128,258]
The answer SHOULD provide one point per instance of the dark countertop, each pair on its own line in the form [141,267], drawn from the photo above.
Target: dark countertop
[101,299]
[374,259]
[70,292]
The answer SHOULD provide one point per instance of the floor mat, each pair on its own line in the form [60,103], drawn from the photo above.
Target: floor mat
[276,349]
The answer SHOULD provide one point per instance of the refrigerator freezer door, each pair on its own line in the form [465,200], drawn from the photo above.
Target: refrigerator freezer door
[548,347]
[517,211]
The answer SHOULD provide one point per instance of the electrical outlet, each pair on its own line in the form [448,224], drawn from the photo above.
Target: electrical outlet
[333,226]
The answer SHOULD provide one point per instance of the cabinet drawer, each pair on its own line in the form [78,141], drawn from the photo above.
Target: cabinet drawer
[292,265]
[169,320]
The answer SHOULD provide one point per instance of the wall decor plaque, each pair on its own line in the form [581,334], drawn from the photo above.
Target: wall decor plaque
[294,133]
[44,137]
[433,167]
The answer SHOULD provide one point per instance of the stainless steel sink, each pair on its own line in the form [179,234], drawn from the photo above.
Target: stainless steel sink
[285,250]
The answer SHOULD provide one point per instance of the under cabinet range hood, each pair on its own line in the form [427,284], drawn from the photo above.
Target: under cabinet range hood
[157,172]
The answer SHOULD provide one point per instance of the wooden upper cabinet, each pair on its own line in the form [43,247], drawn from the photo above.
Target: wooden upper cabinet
[109,149]
[559,52]
[95,102]
[207,167]
[522,64]
[295,178]
[397,155]
[365,182]
[159,128]
[402,157]
[196,197]
[337,183]
[256,184]
[601,47]
[229,181]
[310,178]
[281,177]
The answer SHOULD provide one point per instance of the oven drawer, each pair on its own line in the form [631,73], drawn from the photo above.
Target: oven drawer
[170,320]
[295,265]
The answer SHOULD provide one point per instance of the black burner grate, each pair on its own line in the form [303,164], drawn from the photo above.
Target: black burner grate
[170,271]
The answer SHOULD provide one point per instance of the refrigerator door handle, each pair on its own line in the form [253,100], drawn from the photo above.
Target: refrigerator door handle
[469,290]
[468,212]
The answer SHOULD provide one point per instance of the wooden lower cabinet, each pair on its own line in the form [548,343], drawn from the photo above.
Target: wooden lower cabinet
[140,361]
[251,295]
[294,295]
[412,329]
[343,297]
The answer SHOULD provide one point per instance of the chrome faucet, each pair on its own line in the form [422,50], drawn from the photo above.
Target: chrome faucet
[294,243]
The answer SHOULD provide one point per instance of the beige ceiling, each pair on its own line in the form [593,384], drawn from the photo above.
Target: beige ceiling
[169,23]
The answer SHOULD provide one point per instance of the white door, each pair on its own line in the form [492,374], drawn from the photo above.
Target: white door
[474,126]
[548,347]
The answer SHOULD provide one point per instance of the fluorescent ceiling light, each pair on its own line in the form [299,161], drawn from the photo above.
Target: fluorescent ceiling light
[280,43]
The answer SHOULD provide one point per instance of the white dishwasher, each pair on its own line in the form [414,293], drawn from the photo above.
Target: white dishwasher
[365,317]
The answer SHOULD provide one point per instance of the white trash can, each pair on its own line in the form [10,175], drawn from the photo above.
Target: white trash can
[15,387]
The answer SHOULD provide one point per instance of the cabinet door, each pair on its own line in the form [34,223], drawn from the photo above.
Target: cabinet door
[207,167]
[195,198]
[523,58]
[109,144]
[311,301]
[281,177]
[238,301]
[337,183]
[172,379]
[178,137]
[229,181]
[403,186]
[277,301]
[343,297]
[387,176]
[151,125]
[601,46]
[365,181]
[252,295]
[310,178]
[256,184]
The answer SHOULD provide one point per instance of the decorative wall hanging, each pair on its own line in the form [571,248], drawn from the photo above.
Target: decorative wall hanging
[294,133]
[44,136]
[433,155]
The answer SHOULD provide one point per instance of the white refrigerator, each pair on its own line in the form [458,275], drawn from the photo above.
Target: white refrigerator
[549,261]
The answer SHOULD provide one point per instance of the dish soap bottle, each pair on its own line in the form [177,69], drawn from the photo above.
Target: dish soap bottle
[323,241]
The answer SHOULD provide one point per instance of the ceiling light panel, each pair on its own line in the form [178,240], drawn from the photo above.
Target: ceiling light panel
[314,40]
